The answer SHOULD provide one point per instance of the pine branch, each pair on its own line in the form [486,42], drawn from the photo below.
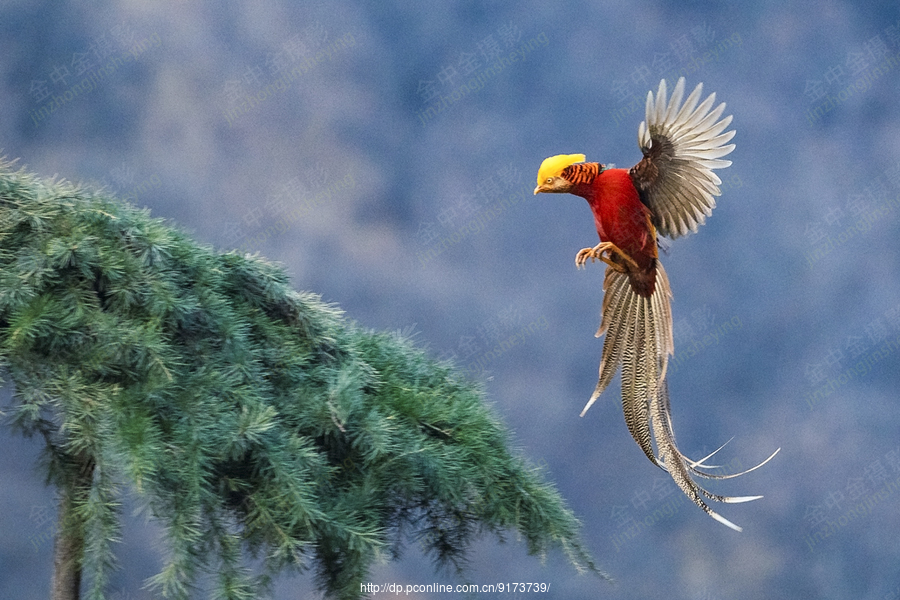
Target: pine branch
[253,421]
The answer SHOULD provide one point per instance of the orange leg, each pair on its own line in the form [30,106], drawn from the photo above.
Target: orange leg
[600,251]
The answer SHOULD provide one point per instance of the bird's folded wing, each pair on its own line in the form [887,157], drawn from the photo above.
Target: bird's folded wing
[682,144]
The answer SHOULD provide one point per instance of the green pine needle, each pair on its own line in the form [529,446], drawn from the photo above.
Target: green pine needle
[257,424]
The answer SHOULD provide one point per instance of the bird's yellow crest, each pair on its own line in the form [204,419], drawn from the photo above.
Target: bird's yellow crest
[553,166]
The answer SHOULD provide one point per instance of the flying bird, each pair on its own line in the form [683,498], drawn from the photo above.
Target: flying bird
[670,192]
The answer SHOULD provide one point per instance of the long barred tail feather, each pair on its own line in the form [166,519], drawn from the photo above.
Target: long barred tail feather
[620,321]
[639,338]
[682,468]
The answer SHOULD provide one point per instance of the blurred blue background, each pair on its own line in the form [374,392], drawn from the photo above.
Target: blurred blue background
[385,154]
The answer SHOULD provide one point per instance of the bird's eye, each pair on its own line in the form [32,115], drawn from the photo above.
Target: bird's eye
[549,180]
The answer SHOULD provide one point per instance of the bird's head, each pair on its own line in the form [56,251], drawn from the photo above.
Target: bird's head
[550,179]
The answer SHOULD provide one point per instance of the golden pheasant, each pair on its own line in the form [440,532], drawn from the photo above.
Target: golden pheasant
[669,192]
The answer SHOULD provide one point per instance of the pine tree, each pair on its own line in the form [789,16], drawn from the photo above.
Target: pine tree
[265,431]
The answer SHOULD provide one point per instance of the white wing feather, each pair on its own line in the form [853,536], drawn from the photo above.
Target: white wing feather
[691,144]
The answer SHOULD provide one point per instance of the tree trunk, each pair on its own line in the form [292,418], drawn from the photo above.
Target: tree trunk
[68,548]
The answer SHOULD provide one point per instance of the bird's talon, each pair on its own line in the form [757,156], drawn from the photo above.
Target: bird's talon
[582,257]
[599,252]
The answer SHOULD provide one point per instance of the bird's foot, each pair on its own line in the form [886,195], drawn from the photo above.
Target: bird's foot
[595,253]
[600,251]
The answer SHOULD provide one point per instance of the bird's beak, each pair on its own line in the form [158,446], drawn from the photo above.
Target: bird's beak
[537,190]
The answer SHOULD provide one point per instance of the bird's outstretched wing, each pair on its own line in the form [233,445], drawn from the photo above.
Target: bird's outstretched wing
[682,144]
